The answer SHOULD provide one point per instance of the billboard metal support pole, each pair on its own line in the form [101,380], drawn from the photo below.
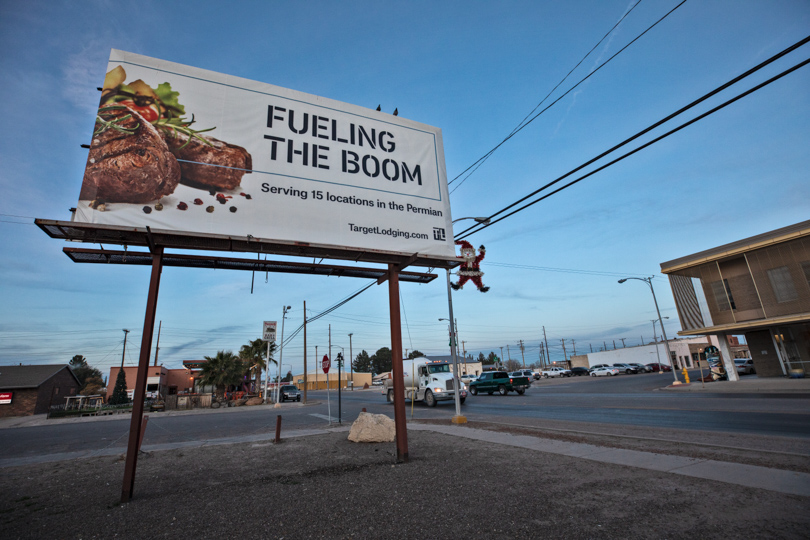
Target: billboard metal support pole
[305,352]
[140,381]
[396,361]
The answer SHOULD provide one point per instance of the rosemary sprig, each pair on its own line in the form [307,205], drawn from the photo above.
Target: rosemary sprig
[172,125]
[113,124]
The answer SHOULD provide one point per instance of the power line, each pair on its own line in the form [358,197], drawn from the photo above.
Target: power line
[517,130]
[478,226]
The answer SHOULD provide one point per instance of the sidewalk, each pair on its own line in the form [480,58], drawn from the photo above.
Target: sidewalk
[748,384]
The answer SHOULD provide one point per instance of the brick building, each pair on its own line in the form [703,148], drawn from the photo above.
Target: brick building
[27,390]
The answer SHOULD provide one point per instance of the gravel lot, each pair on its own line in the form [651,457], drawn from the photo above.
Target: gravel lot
[324,486]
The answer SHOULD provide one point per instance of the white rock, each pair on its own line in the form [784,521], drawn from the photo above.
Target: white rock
[372,428]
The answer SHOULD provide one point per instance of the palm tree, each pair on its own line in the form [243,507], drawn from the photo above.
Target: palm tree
[222,370]
[255,355]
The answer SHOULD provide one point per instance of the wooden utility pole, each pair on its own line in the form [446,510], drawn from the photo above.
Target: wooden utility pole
[565,356]
[157,347]
[591,346]
[123,354]
[614,344]
[547,352]
[523,356]
[305,353]
[623,345]
[574,344]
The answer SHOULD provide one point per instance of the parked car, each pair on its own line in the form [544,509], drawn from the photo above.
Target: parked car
[467,378]
[377,382]
[579,371]
[625,368]
[597,366]
[525,373]
[641,367]
[744,365]
[290,391]
[655,366]
[605,371]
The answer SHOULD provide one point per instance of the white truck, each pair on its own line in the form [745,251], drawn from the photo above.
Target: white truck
[426,380]
[555,372]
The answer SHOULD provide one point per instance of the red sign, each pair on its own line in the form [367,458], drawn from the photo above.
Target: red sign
[5,398]
[326,364]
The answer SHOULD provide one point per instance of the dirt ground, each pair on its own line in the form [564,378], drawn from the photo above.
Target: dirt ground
[324,486]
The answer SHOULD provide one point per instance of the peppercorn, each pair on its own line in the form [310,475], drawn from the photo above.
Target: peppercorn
[158,207]
[182,206]
[232,209]
[198,202]
[210,209]
[147,209]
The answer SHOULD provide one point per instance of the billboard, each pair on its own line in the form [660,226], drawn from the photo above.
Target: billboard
[184,149]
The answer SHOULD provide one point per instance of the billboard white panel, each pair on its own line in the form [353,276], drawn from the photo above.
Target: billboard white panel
[260,160]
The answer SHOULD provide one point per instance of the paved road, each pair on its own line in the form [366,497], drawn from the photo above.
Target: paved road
[628,400]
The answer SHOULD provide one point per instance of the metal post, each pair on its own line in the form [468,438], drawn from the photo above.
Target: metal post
[663,331]
[655,340]
[140,381]
[458,418]
[396,361]
[305,352]
[351,359]
[280,356]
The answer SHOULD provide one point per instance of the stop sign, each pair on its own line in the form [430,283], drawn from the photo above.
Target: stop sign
[326,364]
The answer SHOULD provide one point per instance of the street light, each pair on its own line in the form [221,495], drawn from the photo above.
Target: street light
[280,353]
[648,281]
[655,340]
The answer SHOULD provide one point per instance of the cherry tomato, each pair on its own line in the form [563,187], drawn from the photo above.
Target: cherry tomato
[149,114]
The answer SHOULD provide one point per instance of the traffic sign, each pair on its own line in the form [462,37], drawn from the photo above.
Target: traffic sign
[326,364]
[269,331]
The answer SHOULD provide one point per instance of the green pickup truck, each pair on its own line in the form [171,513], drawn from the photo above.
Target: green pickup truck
[498,381]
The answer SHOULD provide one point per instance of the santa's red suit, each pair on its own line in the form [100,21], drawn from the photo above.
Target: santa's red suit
[471,268]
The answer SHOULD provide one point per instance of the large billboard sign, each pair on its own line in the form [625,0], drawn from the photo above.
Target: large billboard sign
[184,149]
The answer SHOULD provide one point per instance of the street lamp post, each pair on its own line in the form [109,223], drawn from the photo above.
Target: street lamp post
[655,340]
[351,359]
[280,354]
[648,281]
[458,419]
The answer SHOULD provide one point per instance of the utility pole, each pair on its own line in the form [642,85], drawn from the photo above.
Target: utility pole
[305,352]
[614,344]
[605,345]
[565,356]
[123,354]
[591,346]
[523,356]
[501,356]
[623,345]
[157,347]
[464,349]
[574,344]
[351,359]
[508,354]
[547,352]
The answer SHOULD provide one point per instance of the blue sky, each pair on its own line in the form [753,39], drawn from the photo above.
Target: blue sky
[473,69]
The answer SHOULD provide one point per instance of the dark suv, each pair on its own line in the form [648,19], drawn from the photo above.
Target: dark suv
[289,391]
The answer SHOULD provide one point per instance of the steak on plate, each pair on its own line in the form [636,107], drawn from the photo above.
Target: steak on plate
[211,164]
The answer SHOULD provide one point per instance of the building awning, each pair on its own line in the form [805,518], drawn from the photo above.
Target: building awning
[740,327]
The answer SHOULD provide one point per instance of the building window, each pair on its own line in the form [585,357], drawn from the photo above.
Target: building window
[782,284]
[722,295]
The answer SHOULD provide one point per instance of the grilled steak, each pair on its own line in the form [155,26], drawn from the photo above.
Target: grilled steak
[128,161]
[218,165]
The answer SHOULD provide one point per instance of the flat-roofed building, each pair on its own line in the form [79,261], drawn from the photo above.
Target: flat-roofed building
[758,287]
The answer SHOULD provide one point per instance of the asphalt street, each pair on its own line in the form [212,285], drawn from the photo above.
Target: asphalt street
[626,402]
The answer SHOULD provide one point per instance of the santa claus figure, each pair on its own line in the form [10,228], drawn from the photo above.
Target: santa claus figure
[471,268]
